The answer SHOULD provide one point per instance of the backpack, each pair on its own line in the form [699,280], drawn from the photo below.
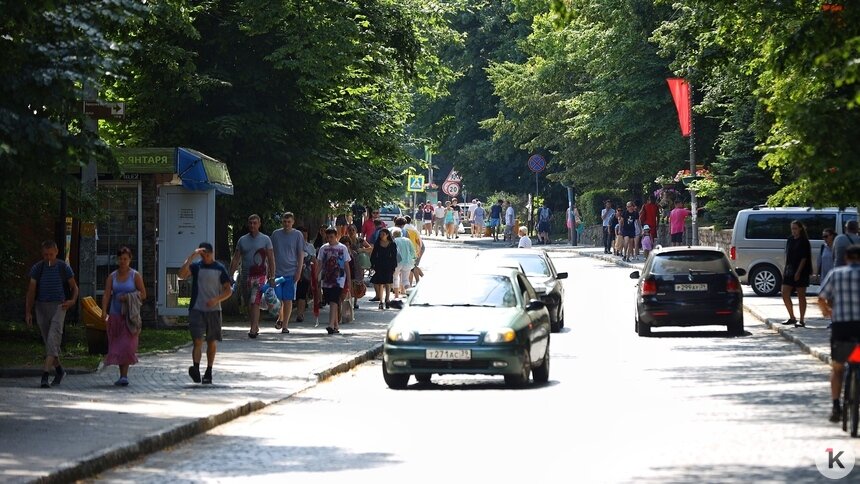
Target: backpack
[62,266]
[544,214]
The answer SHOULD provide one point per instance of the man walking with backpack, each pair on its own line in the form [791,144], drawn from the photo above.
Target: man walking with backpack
[51,293]
[544,215]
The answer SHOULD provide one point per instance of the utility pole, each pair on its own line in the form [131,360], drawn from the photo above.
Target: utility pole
[693,201]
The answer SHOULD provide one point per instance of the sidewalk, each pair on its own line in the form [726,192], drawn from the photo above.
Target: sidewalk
[813,339]
[86,424]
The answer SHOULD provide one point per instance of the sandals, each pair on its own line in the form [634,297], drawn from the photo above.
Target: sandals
[253,335]
[380,306]
[285,331]
[800,324]
[279,324]
[331,330]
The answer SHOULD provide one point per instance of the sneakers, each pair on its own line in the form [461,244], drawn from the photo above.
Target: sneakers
[122,382]
[207,377]
[835,415]
[58,377]
[45,383]
[194,373]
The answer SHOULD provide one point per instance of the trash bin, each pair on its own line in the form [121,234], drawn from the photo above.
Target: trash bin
[96,328]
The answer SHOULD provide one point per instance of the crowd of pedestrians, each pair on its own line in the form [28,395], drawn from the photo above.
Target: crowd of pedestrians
[631,233]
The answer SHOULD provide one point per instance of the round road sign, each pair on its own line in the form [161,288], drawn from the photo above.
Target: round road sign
[537,163]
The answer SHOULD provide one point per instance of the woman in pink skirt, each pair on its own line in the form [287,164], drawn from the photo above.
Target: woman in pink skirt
[124,291]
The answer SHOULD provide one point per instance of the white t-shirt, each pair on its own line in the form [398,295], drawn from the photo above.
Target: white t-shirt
[333,260]
[439,212]
[509,216]
[525,242]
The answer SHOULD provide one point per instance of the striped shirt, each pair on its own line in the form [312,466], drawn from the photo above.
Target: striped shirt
[841,288]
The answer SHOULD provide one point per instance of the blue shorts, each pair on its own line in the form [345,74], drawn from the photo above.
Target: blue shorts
[494,222]
[286,291]
[543,227]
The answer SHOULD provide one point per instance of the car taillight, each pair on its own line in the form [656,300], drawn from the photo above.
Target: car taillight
[733,254]
[649,287]
[732,285]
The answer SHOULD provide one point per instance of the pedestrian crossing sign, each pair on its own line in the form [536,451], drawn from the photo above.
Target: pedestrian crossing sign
[415,183]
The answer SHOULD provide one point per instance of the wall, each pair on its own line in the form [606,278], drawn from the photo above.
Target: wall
[708,236]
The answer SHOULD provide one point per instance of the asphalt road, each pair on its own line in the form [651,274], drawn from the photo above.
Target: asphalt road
[684,406]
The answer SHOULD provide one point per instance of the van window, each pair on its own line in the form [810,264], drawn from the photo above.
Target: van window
[778,225]
[847,217]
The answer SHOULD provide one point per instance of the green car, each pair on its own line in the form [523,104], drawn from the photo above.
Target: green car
[489,322]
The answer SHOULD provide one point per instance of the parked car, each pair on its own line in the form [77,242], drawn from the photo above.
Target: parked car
[541,273]
[688,286]
[758,240]
[388,213]
[490,323]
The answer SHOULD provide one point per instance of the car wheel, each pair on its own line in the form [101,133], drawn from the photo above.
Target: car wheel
[766,280]
[424,378]
[560,317]
[644,330]
[396,381]
[541,373]
[736,327]
[522,378]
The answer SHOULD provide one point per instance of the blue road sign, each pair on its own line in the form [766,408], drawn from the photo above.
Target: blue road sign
[537,163]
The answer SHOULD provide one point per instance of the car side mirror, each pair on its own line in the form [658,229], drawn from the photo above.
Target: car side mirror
[561,275]
[740,271]
[634,275]
[535,305]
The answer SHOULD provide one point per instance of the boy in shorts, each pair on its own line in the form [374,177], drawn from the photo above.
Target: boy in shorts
[211,285]
[333,258]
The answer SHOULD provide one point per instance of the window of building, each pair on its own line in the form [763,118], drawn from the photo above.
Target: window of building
[120,203]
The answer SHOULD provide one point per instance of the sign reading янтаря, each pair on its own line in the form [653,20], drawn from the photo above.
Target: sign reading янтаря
[145,160]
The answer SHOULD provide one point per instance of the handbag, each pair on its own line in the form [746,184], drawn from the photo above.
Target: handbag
[362,259]
[359,289]
[347,314]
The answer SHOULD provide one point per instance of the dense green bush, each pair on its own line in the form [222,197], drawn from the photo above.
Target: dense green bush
[590,203]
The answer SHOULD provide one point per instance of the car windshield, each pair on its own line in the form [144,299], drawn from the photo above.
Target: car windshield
[390,211]
[533,265]
[475,290]
[703,262]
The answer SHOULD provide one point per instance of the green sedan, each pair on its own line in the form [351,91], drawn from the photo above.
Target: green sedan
[490,322]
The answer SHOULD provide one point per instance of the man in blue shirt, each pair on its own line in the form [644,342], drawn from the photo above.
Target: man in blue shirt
[50,279]
[839,299]
[211,285]
[496,218]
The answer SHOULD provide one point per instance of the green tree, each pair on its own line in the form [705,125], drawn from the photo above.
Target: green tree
[55,54]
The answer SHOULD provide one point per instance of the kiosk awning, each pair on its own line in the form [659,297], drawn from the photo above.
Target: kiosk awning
[200,172]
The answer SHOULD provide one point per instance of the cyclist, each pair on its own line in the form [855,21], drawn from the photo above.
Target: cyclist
[840,300]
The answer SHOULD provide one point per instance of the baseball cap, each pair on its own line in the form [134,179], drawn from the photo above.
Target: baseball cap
[646,227]
[205,246]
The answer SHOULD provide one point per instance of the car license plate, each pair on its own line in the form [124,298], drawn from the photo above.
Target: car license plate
[690,287]
[449,354]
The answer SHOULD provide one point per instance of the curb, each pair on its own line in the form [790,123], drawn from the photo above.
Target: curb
[122,454]
[787,335]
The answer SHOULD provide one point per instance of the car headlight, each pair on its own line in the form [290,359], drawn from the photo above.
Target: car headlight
[500,336]
[399,336]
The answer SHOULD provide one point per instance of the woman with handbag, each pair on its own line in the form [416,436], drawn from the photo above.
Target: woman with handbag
[360,252]
[798,267]
[383,260]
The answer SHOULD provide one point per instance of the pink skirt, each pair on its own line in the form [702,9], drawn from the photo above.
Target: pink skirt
[122,345]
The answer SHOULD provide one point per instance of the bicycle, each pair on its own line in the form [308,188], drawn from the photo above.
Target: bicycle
[851,389]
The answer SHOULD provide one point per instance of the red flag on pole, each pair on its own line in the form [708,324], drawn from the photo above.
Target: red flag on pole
[681,94]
